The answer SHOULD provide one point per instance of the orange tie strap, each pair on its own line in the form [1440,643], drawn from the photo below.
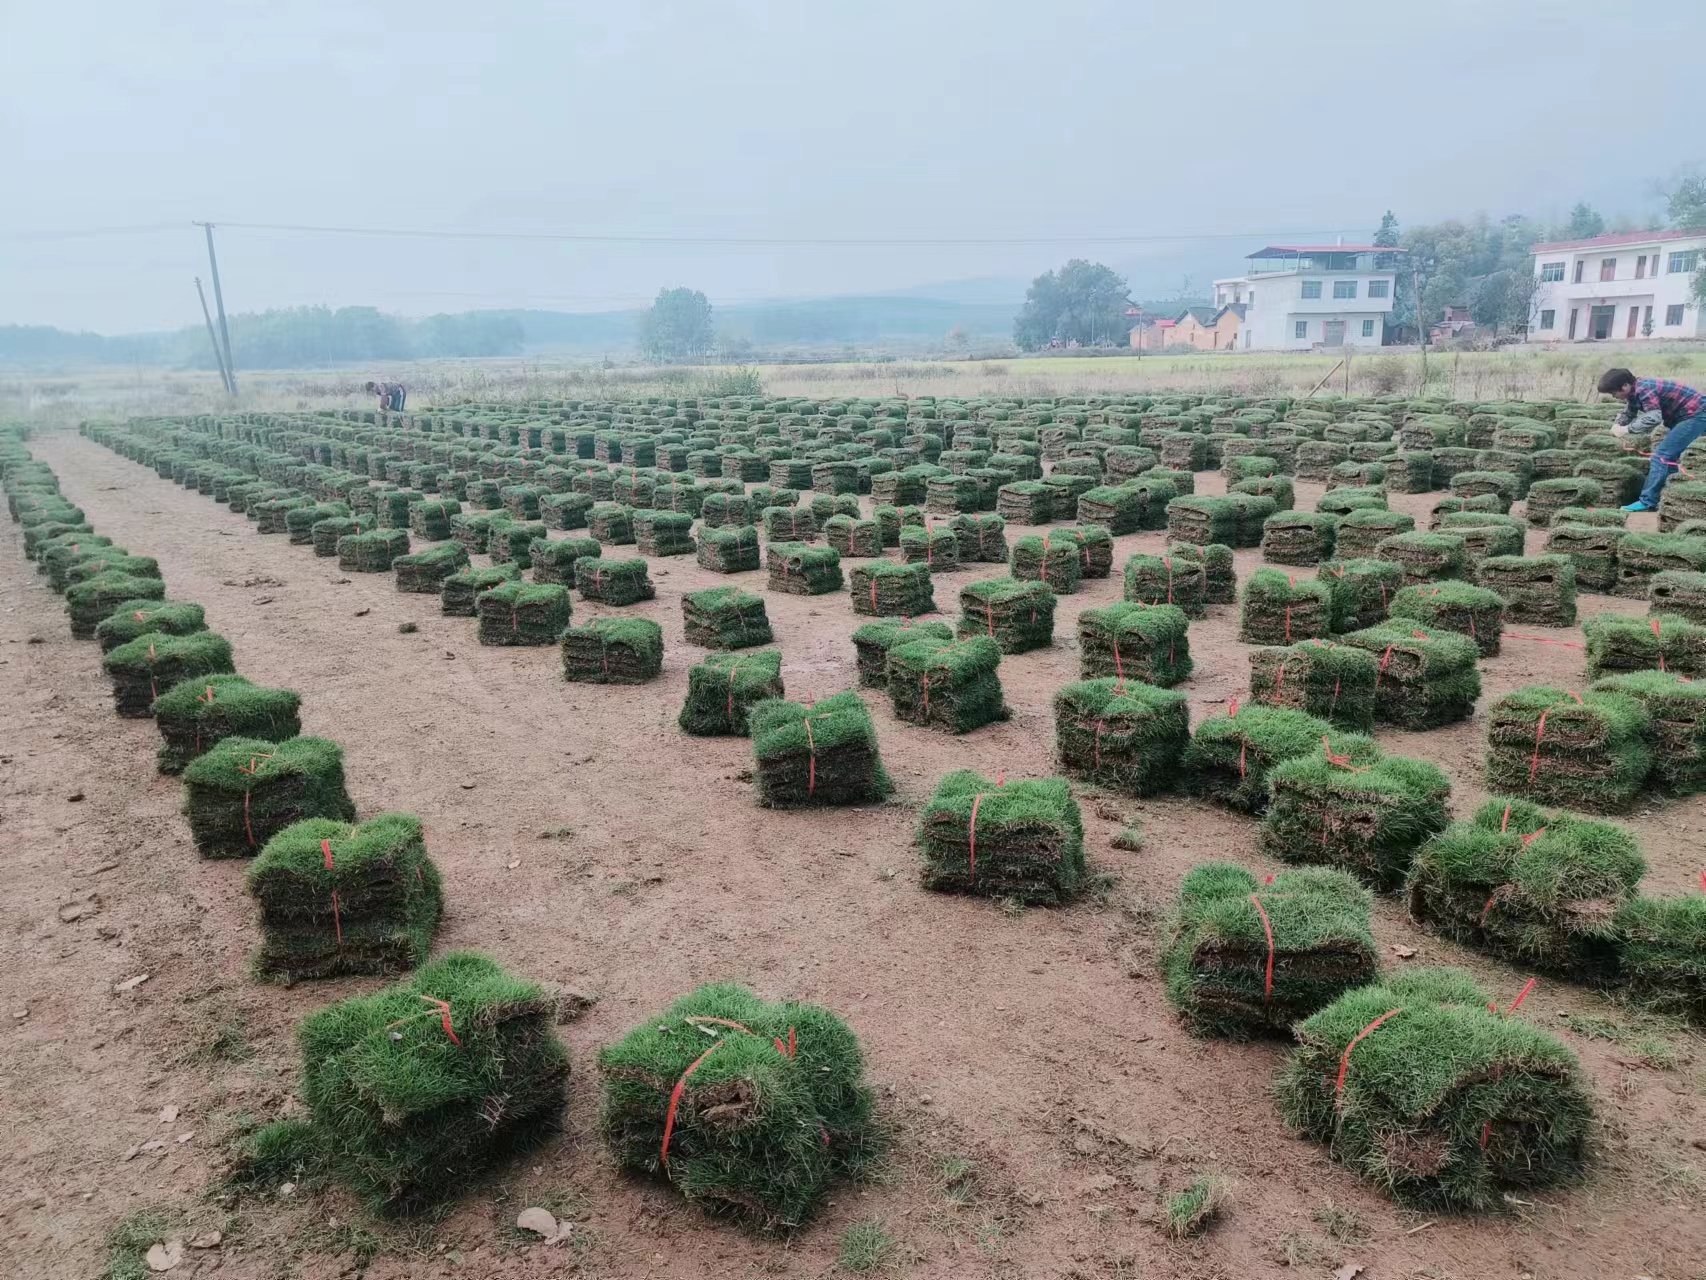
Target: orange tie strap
[1515,1004]
[1343,762]
[1655,626]
[443,1007]
[1385,661]
[138,615]
[873,593]
[811,746]
[252,768]
[1279,687]
[1532,836]
[1534,761]
[1506,820]
[1268,929]
[337,915]
[1565,644]
[1167,561]
[1119,668]
[1486,911]
[1345,1058]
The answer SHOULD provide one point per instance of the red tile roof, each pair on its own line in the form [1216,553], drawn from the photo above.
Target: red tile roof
[1321,248]
[1615,238]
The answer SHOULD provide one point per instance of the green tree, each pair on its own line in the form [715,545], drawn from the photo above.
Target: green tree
[677,326]
[1685,203]
[1387,236]
[1585,222]
[1504,299]
[1083,302]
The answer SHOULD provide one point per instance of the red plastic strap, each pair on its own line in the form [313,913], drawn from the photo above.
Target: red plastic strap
[1532,836]
[1506,820]
[675,1100]
[1486,911]
[1168,561]
[1288,624]
[1520,997]
[1385,661]
[1119,670]
[1534,762]
[443,1007]
[873,593]
[971,836]
[1279,687]
[1268,980]
[1344,761]
[1567,644]
[1655,624]
[1243,749]
[1345,1058]
[326,849]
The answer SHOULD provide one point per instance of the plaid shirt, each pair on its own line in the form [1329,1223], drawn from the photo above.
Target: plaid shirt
[1672,401]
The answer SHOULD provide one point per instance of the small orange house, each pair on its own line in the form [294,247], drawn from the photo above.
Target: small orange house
[1208,329]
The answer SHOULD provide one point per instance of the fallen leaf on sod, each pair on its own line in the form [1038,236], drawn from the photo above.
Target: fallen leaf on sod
[163,1257]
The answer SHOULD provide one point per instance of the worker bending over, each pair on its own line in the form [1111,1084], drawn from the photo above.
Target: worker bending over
[1676,412]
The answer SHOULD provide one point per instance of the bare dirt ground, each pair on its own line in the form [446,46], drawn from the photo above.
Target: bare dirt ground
[586,841]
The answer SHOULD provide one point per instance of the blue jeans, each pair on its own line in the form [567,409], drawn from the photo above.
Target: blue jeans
[1667,453]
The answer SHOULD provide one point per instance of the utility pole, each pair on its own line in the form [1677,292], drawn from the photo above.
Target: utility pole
[219,305]
[218,359]
[1421,326]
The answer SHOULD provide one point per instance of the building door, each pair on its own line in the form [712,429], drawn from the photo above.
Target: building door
[1634,321]
[1574,312]
[1599,322]
[1333,333]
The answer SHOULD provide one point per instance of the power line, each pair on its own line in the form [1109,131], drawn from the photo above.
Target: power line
[91,233]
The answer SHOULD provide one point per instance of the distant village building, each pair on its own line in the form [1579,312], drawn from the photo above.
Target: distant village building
[1308,297]
[1636,284]
[1207,328]
[1151,335]
[1455,323]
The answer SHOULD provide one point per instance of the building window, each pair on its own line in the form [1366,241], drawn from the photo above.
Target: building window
[1580,263]
[1647,324]
[1368,328]
[1301,329]
[1552,273]
[1673,313]
[1641,267]
[1684,261]
[1379,288]
[1548,319]
[1311,288]
[1344,288]
[1608,268]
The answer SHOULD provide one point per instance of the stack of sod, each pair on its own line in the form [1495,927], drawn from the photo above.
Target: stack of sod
[1341,502]
[513,542]
[1676,725]
[425,572]
[1506,486]
[1026,502]
[938,549]
[983,538]
[1117,508]
[1220,577]
[430,520]
[299,522]
[326,534]
[56,556]
[946,495]
[1553,747]
[1299,537]
[723,689]
[1600,516]
[1425,557]
[1245,959]
[1202,520]
[1475,612]
[1616,644]
[1018,616]
[194,715]
[1485,504]
[611,523]
[1278,609]
[1361,591]
[1095,549]
[728,549]
[341,899]
[88,604]
[663,533]
[823,754]
[1537,589]
[565,510]
[146,667]
[417,1090]
[1537,887]
[135,618]
[1419,1088]
[1681,500]
[462,589]
[1172,578]
[1253,511]
[1122,734]
[554,561]
[1548,496]
[613,582]
[1410,472]
[803,570]
[1318,677]
[725,618]
[613,651]
[1641,555]
[372,552]
[1279,488]
[1054,560]
[853,538]
[749,1107]
[884,589]
[473,529]
[1136,642]
[1673,592]
[1662,953]
[243,791]
[789,524]
[108,561]
[523,613]
[723,509]
[1592,552]
[1425,677]
[952,685]
[1230,756]
[1022,841]
[1352,808]
[872,642]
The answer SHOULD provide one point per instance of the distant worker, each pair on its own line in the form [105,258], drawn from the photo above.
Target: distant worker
[391,394]
[1677,412]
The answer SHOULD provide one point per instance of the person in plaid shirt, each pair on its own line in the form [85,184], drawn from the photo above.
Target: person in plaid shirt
[1655,404]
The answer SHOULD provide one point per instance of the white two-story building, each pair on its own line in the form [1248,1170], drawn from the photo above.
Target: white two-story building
[1637,284]
[1303,297]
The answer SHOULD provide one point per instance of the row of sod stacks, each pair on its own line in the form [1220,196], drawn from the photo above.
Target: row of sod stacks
[729,549]
[1135,641]
[1536,887]
[424,572]
[884,589]
[1020,841]
[1418,1087]
[723,689]
[1616,644]
[613,651]
[1230,756]
[1171,578]
[1018,616]
[243,791]
[953,685]
[872,642]
[725,618]
[1425,677]
[1676,725]
[133,618]
[195,715]
[461,589]
[146,667]
[613,582]
[1551,746]
[1122,734]
[554,561]
[1278,609]
[1475,612]
[1320,678]
[1244,959]
[800,569]
[817,755]
[523,613]
[1535,589]
[1050,559]
[337,898]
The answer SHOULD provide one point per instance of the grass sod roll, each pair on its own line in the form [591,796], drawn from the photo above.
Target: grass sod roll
[1419,1088]
[938,549]
[1352,808]
[1552,746]
[1676,725]
[1244,959]
[820,755]
[1360,532]
[554,560]
[611,523]
[1662,953]
[1122,734]
[613,582]
[852,538]
[1203,520]
[1538,887]
[1095,549]
[1020,841]
[512,543]
[1026,502]
[326,534]
[1592,552]
[195,714]
[884,589]
[954,686]
[749,1108]
[798,568]
[458,592]
[416,1091]
[1150,643]
[1482,504]
[1332,681]
[1548,496]
[1117,508]
[144,668]
[789,524]
[1230,756]
[339,899]
[982,538]
[728,549]
[1018,616]
[1343,501]
[723,689]
[1485,534]
[566,511]
[1220,575]
[243,791]
[430,520]
[1046,558]
[1279,488]
[372,552]
[1278,609]
[88,604]
[1299,537]
[1681,594]
[1640,556]
[1455,606]
[663,533]
[110,560]
[424,572]
[613,651]
[1170,578]
[1536,589]
[1425,677]
[1661,643]
[523,613]
[133,618]
[725,618]
[872,642]
[299,522]
[1425,557]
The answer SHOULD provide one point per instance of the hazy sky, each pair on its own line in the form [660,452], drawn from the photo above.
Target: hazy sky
[840,119]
